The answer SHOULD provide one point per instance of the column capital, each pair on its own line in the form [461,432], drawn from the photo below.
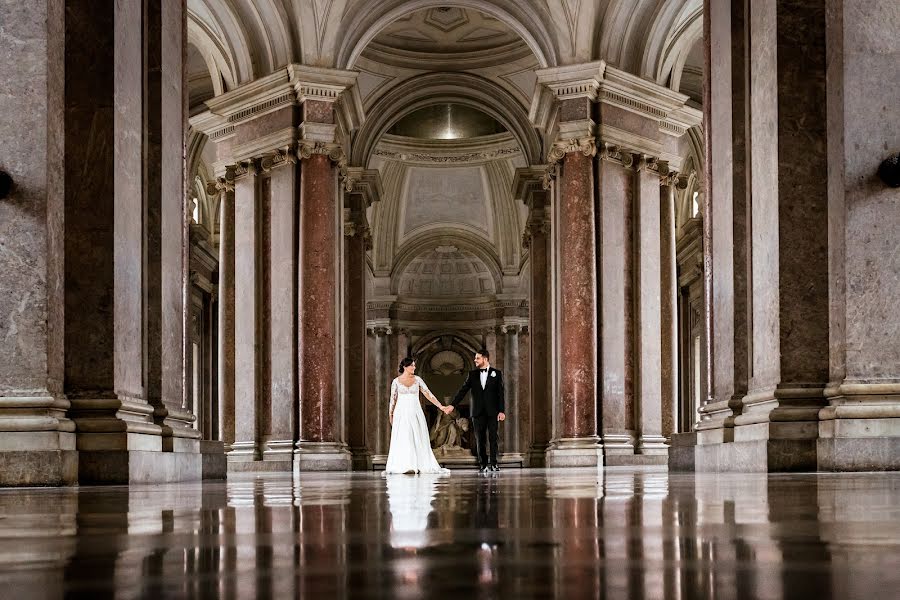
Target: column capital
[586,145]
[280,157]
[335,152]
[245,167]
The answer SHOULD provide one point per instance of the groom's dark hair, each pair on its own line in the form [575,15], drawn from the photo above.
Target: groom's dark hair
[484,352]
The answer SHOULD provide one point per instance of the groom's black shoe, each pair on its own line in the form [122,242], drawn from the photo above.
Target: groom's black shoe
[494,467]
[482,469]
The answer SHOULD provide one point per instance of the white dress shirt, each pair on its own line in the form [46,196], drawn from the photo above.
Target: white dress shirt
[484,375]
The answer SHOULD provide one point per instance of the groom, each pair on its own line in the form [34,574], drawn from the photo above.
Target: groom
[486,385]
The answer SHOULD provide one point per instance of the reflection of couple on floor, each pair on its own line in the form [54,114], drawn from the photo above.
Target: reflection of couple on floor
[410,450]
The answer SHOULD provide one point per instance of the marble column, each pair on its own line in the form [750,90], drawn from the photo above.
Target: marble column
[384,372]
[105,291]
[278,434]
[489,343]
[179,434]
[403,346]
[37,443]
[357,242]
[616,304]
[529,189]
[225,362]
[669,366]
[718,214]
[319,446]
[577,442]
[651,444]
[510,427]
[247,291]
[860,427]
[788,284]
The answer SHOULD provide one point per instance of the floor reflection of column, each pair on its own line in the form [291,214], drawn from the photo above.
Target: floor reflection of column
[52,554]
[322,550]
[579,561]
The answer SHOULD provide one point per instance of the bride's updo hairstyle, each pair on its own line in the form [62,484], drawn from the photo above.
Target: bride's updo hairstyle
[405,363]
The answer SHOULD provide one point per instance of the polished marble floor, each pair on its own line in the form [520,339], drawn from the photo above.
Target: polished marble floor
[622,533]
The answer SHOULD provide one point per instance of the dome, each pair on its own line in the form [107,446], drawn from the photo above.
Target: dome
[446,272]
[446,122]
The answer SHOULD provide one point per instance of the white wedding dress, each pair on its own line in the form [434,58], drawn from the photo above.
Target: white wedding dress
[410,450]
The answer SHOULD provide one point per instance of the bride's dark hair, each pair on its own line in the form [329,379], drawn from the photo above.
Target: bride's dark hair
[405,363]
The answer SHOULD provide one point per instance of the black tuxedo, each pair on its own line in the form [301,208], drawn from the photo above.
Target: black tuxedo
[487,403]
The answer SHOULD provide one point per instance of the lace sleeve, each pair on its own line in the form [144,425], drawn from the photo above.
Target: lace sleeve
[393,401]
[426,391]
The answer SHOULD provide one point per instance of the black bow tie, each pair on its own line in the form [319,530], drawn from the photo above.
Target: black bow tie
[484,370]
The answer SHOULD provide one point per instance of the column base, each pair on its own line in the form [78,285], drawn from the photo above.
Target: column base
[361,459]
[575,452]
[322,456]
[758,448]
[537,456]
[859,454]
[281,452]
[511,458]
[682,452]
[38,467]
[138,466]
[241,452]
[860,429]
[214,465]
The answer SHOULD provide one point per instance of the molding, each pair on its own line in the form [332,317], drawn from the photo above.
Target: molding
[573,81]
[319,83]
[261,146]
[527,181]
[626,139]
[376,305]
[366,182]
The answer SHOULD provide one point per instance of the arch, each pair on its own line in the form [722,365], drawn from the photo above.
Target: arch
[677,27]
[469,341]
[461,239]
[217,32]
[366,24]
[436,88]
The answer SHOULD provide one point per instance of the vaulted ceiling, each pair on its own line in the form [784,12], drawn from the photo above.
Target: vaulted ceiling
[446,88]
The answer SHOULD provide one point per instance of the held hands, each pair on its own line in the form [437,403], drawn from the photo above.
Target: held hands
[501,416]
[447,409]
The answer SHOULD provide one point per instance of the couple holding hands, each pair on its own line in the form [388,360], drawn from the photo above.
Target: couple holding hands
[410,449]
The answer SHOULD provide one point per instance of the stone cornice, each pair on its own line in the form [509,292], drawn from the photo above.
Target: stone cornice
[476,150]
[573,81]
[599,82]
[253,99]
[447,308]
[319,83]
[290,85]
[366,182]
[527,181]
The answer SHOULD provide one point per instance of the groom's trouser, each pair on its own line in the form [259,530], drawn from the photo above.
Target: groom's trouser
[486,432]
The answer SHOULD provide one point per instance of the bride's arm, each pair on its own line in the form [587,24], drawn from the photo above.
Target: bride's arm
[428,393]
[393,401]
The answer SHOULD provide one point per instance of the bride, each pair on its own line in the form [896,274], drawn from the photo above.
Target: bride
[410,450]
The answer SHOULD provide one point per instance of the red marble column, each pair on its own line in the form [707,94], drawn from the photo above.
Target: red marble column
[319,446]
[577,442]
